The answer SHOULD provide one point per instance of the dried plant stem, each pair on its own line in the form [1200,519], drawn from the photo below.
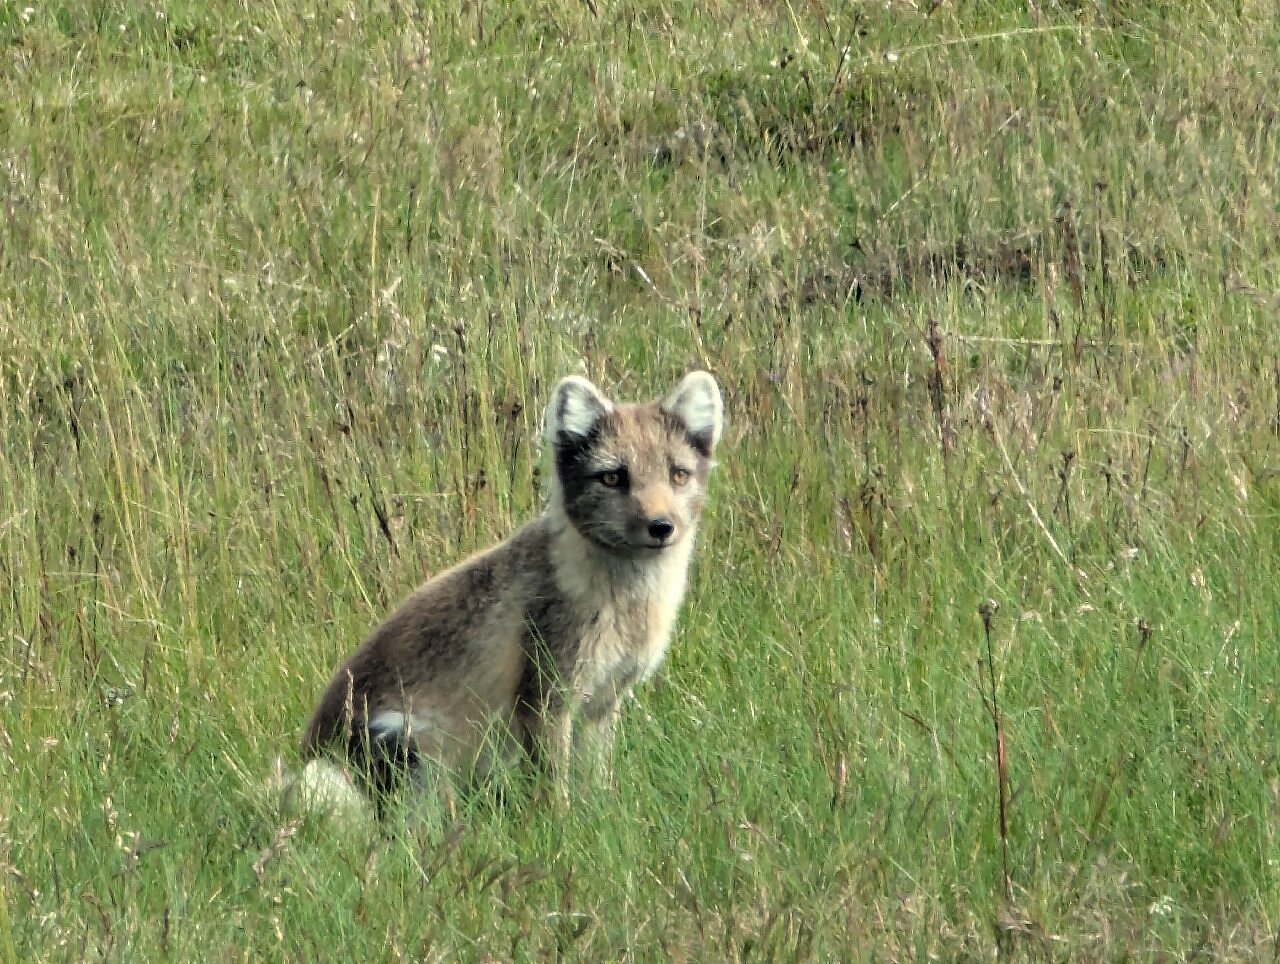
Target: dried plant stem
[991,701]
[938,379]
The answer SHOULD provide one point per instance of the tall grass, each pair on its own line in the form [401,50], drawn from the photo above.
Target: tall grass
[992,293]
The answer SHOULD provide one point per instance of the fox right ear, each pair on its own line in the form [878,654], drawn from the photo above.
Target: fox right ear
[575,408]
[696,402]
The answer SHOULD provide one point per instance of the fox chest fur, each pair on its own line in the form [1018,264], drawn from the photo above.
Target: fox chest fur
[556,624]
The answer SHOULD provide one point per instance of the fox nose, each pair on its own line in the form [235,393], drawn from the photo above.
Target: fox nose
[661,528]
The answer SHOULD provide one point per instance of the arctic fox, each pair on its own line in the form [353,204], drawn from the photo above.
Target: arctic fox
[544,633]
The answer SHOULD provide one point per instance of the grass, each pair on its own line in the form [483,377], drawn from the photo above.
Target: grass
[991,290]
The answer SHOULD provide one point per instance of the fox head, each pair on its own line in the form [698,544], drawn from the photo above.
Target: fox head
[632,479]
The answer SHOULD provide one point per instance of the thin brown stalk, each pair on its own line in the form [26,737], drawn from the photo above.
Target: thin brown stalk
[991,701]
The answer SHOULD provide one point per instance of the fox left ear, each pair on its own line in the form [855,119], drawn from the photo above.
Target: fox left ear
[576,407]
[696,402]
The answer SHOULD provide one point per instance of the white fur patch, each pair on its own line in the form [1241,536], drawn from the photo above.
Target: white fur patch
[418,726]
[391,723]
[324,788]
[576,405]
[696,402]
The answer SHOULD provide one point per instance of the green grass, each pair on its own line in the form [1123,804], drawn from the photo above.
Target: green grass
[283,288]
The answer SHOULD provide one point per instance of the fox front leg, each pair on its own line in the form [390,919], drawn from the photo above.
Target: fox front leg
[558,741]
[596,741]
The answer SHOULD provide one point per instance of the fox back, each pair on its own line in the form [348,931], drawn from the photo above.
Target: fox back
[545,633]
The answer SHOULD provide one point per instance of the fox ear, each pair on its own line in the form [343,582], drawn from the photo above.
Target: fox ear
[696,402]
[575,408]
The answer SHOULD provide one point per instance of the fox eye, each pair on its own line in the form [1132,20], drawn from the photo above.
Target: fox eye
[611,479]
[679,476]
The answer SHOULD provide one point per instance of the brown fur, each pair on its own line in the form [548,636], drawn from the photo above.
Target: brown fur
[552,626]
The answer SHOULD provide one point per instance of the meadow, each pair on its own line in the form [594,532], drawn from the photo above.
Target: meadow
[980,652]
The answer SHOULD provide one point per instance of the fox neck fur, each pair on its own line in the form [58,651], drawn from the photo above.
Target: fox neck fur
[636,598]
